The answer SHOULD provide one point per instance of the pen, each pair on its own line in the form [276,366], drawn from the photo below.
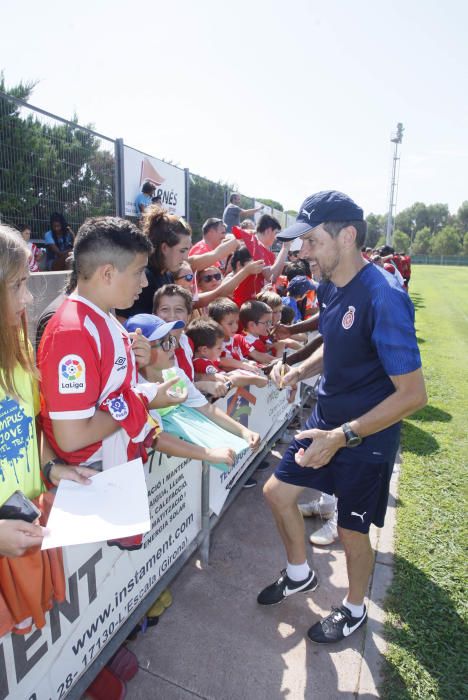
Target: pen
[283,363]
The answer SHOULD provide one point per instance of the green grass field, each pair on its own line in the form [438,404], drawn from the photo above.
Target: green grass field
[426,606]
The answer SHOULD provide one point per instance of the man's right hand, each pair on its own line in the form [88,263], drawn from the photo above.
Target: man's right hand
[290,378]
[227,246]
[254,267]
[17,536]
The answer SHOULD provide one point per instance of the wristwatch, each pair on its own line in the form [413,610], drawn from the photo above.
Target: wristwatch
[47,468]
[352,438]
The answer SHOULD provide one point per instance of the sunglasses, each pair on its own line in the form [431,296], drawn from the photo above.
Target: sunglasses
[166,344]
[188,277]
[207,278]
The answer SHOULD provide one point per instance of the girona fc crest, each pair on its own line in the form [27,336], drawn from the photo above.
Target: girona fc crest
[348,319]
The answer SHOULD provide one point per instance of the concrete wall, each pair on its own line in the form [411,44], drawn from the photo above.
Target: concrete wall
[44,286]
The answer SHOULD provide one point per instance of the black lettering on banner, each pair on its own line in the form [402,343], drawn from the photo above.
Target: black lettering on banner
[3,675]
[89,570]
[21,644]
[69,608]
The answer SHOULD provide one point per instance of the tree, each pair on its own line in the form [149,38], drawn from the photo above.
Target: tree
[422,241]
[462,217]
[465,244]
[401,241]
[271,203]
[420,215]
[446,242]
[48,166]
[375,229]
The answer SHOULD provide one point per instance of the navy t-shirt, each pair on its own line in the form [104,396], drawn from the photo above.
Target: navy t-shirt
[369,335]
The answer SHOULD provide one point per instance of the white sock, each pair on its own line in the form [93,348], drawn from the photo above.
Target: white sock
[355,610]
[327,500]
[298,572]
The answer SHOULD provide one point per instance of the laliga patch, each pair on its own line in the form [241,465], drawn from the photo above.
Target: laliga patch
[348,319]
[71,375]
[211,369]
[118,407]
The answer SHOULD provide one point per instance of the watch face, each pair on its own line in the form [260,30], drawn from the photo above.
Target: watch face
[353,441]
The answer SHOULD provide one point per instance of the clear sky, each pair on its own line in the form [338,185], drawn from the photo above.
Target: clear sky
[280,98]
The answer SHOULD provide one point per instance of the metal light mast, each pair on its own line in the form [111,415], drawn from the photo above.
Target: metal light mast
[396,139]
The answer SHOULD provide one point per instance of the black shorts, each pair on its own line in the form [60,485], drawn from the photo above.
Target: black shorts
[361,488]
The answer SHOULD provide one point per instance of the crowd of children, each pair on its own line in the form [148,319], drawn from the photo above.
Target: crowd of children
[197,321]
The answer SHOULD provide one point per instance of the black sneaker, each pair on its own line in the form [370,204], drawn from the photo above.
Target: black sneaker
[337,626]
[284,587]
[263,466]
[250,483]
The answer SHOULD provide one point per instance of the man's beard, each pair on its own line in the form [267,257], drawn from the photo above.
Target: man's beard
[327,271]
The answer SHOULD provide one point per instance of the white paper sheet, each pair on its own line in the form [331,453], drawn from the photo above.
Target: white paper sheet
[114,505]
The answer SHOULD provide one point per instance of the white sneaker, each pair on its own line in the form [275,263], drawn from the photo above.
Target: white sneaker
[312,508]
[327,534]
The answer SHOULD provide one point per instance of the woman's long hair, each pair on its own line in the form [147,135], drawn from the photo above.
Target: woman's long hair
[161,227]
[59,218]
[14,347]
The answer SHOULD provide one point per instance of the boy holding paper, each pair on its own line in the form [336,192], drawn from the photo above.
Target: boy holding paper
[92,411]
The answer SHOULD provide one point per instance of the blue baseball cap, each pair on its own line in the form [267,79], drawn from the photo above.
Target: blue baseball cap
[329,205]
[300,285]
[151,326]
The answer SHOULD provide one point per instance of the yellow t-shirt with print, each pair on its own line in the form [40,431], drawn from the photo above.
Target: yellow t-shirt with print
[19,457]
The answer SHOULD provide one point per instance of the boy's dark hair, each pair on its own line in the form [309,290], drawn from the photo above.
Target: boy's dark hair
[253,311]
[25,227]
[107,240]
[210,223]
[287,315]
[240,256]
[268,296]
[232,196]
[148,188]
[204,332]
[267,221]
[299,267]
[172,290]
[334,227]
[219,308]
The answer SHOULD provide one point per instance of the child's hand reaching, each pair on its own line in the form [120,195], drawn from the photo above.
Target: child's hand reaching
[221,455]
[252,438]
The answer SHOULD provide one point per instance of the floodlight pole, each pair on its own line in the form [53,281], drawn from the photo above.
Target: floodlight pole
[396,139]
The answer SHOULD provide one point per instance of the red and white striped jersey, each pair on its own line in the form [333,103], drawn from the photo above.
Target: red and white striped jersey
[84,355]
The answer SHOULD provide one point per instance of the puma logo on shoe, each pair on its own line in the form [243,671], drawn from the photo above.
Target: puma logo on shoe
[358,515]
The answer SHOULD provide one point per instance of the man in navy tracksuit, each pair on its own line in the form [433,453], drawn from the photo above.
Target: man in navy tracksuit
[371,379]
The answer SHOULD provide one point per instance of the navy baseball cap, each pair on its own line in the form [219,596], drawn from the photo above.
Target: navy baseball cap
[300,285]
[329,205]
[151,326]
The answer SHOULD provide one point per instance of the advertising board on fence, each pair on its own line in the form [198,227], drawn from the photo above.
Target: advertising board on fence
[262,410]
[169,181]
[105,585]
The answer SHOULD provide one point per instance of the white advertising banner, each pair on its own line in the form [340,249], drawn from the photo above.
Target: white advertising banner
[104,586]
[262,410]
[168,180]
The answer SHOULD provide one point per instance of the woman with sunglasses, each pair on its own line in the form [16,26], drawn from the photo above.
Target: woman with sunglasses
[209,284]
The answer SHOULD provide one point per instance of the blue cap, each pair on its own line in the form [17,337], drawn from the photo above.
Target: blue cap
[151,326]
[300,285]
[320,207]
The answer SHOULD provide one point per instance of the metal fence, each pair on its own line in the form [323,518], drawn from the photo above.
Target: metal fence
[439,260]
[49,164]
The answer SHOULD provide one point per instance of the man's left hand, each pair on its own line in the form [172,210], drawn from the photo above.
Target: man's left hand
[325,443]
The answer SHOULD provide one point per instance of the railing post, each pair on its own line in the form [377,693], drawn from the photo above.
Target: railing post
[205,510]
[119,178]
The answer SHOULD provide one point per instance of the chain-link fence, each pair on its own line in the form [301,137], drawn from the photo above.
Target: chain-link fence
[49,164]
[439,259]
